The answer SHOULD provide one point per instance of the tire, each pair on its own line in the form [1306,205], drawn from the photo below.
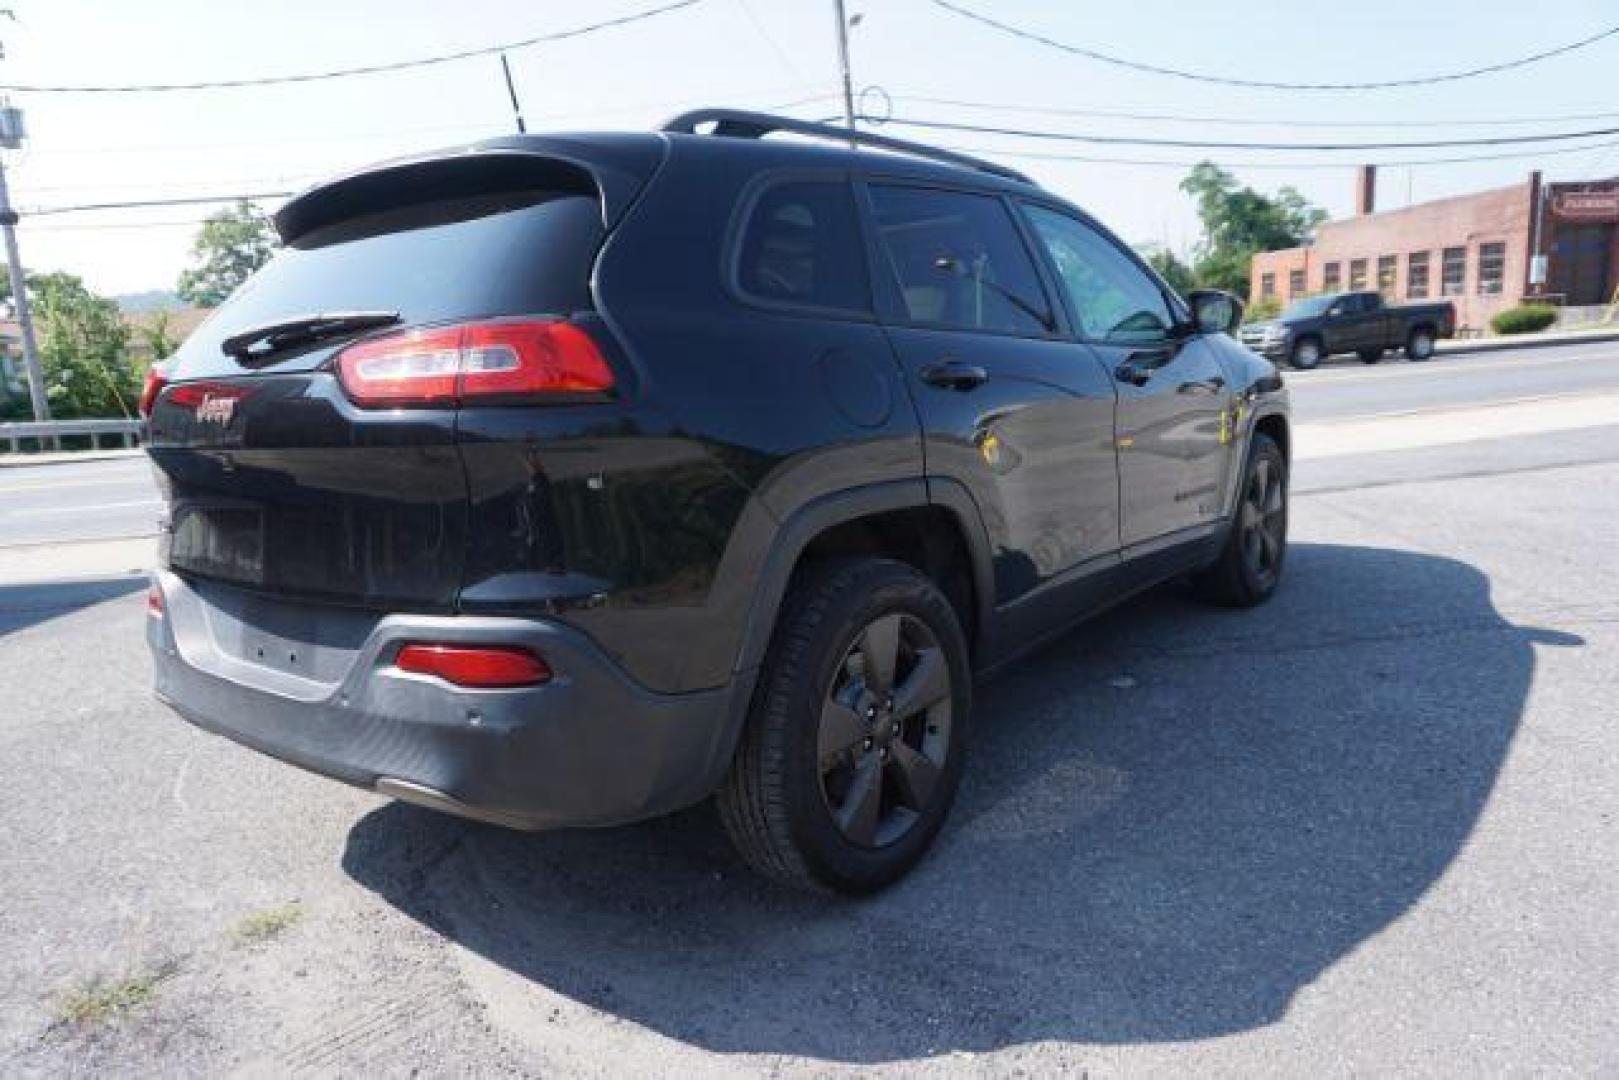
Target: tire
[1249,567]
[1306,354]
[1370,356]
[817,735]
[1419,346]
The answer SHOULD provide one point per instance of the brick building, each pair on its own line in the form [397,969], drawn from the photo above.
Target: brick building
[1474,250]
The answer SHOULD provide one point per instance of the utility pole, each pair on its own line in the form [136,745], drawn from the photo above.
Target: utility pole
[11,136]
[843,66]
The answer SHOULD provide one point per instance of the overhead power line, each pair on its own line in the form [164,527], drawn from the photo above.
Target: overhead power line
[368,69]
[1245,121]
[1264,84]
[139,204]
[1204,144]
[1037,155]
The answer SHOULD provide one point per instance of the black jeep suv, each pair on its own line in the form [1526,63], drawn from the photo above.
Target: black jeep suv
[570,480]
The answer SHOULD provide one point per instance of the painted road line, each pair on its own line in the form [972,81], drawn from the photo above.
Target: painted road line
[98,508]
[1449,426]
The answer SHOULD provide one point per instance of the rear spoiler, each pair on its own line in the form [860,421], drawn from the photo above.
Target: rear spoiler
[614,168]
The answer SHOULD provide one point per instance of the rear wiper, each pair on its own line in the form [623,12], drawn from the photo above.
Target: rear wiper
[258,343]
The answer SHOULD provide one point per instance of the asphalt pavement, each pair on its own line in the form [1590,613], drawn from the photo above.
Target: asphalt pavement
[1369,828]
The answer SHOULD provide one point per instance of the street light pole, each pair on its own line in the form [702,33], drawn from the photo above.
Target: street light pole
[11,136]
[843,66]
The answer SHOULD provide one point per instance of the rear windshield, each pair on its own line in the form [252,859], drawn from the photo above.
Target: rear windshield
[510,253]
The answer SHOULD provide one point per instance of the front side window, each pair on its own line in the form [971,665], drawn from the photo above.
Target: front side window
[1492,267]
[1453,271]
[1357,273]
[1416,275]
[959,261]
[1112,297]
[802,246]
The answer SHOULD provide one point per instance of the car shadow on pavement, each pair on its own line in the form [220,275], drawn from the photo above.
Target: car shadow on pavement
[22,606]
[1173,821]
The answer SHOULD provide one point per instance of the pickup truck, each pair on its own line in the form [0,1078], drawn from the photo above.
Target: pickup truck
[1312,329]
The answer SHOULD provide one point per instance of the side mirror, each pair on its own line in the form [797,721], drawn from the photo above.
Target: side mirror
[1335,310]
[1214,311]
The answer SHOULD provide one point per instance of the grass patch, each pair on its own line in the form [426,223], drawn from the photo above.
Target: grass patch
[266,924]
[101,1000]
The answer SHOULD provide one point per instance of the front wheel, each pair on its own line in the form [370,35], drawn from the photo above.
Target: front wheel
[1419,346]
[855,737]
[1250,565]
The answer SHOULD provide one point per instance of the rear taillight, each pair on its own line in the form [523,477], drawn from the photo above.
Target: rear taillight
[447,365]
[484,667]
[154,601]
[156,379]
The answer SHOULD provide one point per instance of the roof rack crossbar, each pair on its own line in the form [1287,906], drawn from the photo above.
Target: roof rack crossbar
[742,124]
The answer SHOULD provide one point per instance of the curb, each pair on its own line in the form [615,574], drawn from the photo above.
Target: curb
[1524,341]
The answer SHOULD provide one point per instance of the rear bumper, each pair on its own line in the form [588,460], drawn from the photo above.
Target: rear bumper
[590,747]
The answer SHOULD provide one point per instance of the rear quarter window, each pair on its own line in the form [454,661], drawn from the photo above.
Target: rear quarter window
[800,246]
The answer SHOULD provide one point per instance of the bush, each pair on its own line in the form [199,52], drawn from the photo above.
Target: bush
[1524,319]
[1266,307]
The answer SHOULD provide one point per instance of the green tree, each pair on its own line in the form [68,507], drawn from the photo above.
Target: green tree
[229,247]
[1239,221]
[83,347]
[154,334]
[1175,273]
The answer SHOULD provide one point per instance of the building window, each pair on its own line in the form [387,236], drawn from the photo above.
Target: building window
[1295,284]
[1453,271]
[1357,273]
[1331,277]
[1492,268]
[1267,286]
[1386,265]
[1416,275]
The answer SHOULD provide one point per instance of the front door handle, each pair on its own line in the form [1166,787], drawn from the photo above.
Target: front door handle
[954,375]
[1202,386]
[1138,367]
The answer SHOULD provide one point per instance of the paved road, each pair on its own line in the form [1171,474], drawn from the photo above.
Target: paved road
[103,499]
[92,500]
[1370,828]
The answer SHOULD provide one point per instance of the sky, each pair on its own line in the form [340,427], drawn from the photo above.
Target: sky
[90,148]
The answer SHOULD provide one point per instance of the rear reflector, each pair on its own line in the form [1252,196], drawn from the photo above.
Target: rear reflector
[482,667]
[447,365]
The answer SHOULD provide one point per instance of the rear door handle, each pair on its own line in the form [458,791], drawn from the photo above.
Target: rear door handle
[954,375]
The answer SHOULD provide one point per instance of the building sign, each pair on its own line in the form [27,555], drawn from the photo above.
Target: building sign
[1586,205]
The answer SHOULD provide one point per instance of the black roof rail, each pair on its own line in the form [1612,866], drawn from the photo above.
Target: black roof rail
[742,124]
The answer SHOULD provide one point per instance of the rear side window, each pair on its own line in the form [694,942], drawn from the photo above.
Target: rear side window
[801,246]
[959,261]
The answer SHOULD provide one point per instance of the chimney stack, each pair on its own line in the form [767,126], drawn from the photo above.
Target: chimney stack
[1365,190]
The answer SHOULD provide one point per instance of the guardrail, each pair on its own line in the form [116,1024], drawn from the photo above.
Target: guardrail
[47,433]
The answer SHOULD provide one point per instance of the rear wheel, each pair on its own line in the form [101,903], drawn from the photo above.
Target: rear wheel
[1250,565]
[1306,354]
[1419,346]
[1370,356]
[853,748]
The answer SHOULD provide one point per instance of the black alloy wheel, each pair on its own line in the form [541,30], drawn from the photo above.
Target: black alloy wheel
[1262,521]
[885,730]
